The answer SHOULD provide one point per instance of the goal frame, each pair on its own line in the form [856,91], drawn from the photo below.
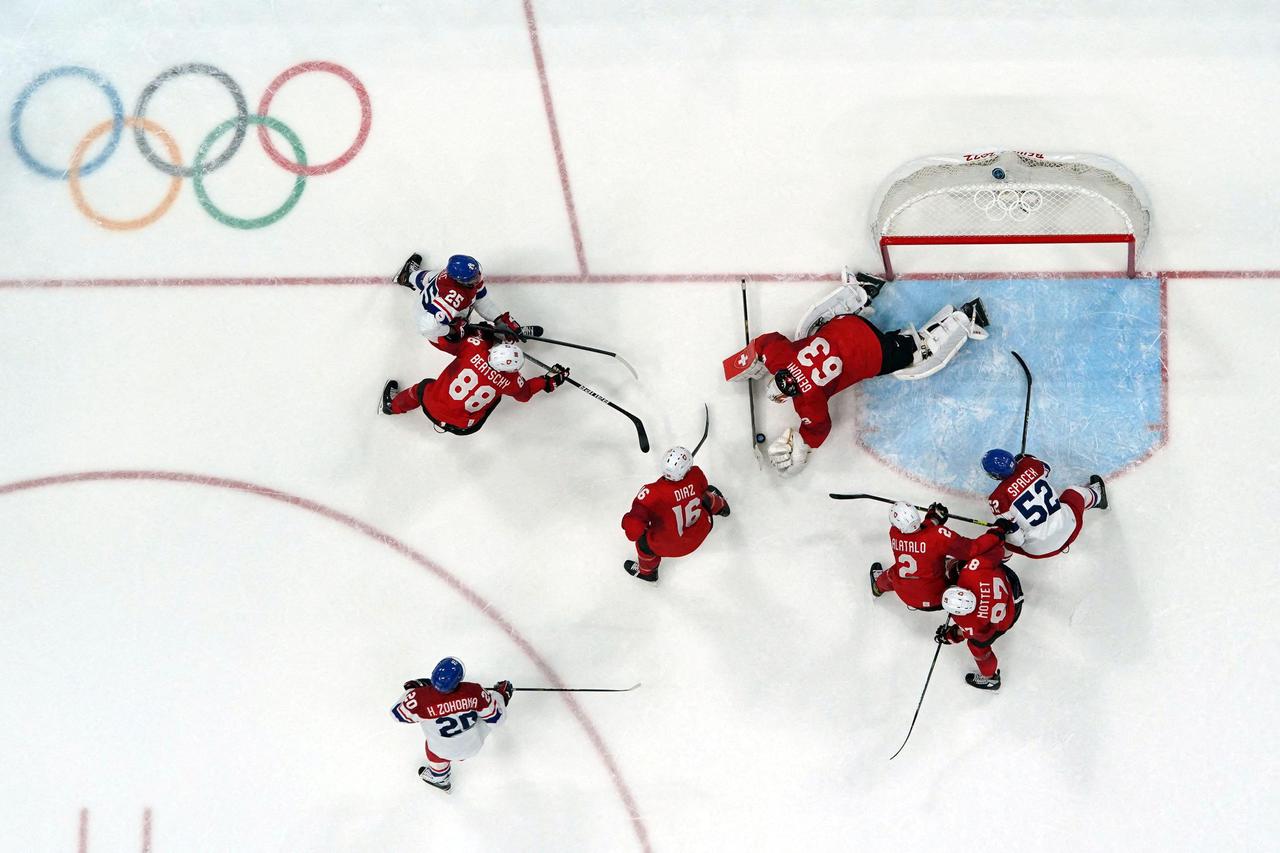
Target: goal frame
[1108,182]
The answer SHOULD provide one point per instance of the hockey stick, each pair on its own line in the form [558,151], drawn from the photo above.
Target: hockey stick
[1026,413]
[613,355]
[706,428]
[640,433]
[577,689]
[936,652]
[757,438]
[921,508]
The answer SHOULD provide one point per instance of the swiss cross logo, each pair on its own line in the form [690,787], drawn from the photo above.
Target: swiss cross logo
[742,360]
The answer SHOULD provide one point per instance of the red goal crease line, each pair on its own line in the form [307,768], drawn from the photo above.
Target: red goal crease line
[593,278]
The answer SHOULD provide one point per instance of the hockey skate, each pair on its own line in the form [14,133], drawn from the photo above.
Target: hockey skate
[424,773]
[410,267]
[980,681]
[870,283]
[876,570]
[633,569]
[1095,480]
[388,392]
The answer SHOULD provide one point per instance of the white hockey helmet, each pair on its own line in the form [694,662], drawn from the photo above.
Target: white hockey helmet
[506,357]
[677,464]
[905,517]
[958,601]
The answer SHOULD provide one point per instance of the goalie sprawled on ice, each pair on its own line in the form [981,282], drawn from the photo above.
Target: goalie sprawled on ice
[836,346]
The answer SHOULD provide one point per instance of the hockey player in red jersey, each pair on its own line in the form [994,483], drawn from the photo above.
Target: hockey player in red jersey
[672,515]
[837,347]
[985,602]
[461,399]
[1039,525]
[455,715]
[922,551]
[446,297]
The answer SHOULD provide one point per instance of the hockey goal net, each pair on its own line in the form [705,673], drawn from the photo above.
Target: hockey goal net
[1011,197]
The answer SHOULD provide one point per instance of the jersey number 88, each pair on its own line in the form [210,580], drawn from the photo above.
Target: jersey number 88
[462,386]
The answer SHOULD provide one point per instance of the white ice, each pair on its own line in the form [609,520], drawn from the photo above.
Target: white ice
[225,660]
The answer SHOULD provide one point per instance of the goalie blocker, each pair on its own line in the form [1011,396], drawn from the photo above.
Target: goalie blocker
[839,348]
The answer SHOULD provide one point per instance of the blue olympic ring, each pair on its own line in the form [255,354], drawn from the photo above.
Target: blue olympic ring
[15,118]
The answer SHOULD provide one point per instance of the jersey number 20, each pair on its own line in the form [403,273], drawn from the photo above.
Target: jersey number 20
[450,726]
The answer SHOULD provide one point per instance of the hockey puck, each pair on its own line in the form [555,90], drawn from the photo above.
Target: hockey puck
[997,173]
[759,438]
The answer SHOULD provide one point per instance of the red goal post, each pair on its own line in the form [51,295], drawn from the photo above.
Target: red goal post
[1011,198]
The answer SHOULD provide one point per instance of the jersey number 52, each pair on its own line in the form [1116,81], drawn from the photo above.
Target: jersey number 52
[1037,503]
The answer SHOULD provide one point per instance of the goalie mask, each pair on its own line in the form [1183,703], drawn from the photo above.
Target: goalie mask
[787,385]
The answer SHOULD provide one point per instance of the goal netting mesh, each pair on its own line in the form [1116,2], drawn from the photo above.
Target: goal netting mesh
[1012,197]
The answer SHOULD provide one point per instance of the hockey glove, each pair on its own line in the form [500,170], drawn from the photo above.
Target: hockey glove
[457,327]
[556,376]
[417,682]
[938,513]
[947,634]
[505,688]
[1002,527]
[504,323]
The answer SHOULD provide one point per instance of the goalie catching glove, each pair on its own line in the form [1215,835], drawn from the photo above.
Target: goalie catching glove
[789,452]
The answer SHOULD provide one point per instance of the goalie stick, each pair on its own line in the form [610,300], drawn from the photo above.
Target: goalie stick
[640,433]
[1026,412]
[757,438]
[950,515]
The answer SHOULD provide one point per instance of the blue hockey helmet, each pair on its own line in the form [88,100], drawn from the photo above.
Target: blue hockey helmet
[447,675]
[998,463]
[464,269]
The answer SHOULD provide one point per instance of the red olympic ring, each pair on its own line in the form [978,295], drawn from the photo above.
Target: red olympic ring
[366,118]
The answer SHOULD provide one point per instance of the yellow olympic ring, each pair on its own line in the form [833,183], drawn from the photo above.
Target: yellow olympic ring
[73,176]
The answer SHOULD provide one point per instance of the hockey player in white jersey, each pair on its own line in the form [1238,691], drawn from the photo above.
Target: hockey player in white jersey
[447,296]
[455,715]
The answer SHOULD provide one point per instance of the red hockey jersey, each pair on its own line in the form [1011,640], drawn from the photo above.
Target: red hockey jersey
[468,388]
[918,573]
[845,351]
[670,515]
[985,577]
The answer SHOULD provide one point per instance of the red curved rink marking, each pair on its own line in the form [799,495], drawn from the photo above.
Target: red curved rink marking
[471,596]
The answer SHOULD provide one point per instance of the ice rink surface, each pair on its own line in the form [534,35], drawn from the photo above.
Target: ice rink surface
[219,563]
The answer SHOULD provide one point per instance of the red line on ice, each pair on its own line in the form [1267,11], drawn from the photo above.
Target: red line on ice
[467,593]
[555,136]
[591,278]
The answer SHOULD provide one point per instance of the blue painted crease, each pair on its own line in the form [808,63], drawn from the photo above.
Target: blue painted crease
[1094,347]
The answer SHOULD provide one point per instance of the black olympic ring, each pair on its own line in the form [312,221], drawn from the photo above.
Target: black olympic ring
[201,166]
[241,126]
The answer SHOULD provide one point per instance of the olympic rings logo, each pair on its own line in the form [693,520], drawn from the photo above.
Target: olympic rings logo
[1018,205]
[171,163]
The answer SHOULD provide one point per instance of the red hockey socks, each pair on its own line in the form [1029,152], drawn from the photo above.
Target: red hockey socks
[407,400]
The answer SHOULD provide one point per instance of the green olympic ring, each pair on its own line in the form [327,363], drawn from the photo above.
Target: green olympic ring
[198,173]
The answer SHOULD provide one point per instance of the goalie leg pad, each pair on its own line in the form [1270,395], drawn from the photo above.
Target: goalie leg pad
[943,337]
[848,298]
